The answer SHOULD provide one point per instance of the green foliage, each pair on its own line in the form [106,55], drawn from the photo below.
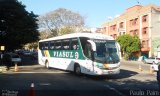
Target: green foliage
[33,45]
[126,56]
[66,30]
[129,44]
[17,26]
[44,35]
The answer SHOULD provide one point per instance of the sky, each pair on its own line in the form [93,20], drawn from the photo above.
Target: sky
[96,12]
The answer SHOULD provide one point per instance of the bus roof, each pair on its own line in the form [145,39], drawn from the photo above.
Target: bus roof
[88,35]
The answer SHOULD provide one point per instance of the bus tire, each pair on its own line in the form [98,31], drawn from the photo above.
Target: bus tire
[47,64]
[77,69]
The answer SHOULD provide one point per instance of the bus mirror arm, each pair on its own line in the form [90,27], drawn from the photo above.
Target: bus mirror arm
[92,55]
[92,44]
[93,58]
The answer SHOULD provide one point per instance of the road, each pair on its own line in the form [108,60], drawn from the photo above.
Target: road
[53,82]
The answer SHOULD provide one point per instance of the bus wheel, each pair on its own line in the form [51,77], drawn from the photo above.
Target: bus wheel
[77,69]
[47,64]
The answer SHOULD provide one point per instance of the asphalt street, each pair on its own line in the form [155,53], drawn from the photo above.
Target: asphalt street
[53,82]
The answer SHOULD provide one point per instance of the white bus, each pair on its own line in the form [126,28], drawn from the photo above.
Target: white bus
[87,53]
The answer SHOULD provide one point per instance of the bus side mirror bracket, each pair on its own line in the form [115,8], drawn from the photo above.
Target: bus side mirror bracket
[92,44]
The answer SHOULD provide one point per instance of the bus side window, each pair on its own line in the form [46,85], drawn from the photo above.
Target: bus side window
[74,45]
[43,45]
[58,45]
[40,45]
[46,45]
[51,45]
[66,44]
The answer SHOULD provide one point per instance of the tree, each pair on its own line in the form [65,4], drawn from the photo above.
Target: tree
[17,26]
[61,19]
[44,35]
[129,44]
[66,30]
[32,45]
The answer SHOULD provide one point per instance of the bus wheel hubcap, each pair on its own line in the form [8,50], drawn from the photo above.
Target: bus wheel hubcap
[78,70]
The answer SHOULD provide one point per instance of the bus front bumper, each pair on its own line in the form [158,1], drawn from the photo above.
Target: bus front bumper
[106,72]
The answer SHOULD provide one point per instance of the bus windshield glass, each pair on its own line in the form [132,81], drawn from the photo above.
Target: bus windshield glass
[106,51]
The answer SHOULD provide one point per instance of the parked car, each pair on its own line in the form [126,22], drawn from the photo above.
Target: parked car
[11,58]
[35,55]
[152,60]
[19,52]
[154,66]
[27,53]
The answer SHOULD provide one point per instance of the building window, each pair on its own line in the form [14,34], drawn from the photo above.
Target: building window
[113,27]
[135,32]
[131,32]
[144,18]
[144,43]
[121,33]
[144,30]
[121,25]
[135,21]
[131,22]
[114,36]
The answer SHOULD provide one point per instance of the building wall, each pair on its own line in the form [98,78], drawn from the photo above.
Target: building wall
[143,21]
[155,31]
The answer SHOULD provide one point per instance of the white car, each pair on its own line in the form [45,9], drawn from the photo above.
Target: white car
[27,53]
[152,60]
[154,67]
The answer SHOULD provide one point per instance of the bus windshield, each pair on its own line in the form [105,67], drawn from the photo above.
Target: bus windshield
[106,51]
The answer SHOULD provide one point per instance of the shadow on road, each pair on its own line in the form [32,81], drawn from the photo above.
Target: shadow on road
[58,84]
[131,86]
[123,74]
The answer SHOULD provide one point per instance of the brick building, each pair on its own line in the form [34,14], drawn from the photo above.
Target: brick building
[143,21]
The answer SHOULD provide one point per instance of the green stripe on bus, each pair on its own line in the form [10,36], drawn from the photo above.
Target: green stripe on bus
[70,54]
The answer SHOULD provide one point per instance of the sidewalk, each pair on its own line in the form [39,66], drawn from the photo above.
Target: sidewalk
[136,66]
[21,68]
[32,69]
[3,69]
